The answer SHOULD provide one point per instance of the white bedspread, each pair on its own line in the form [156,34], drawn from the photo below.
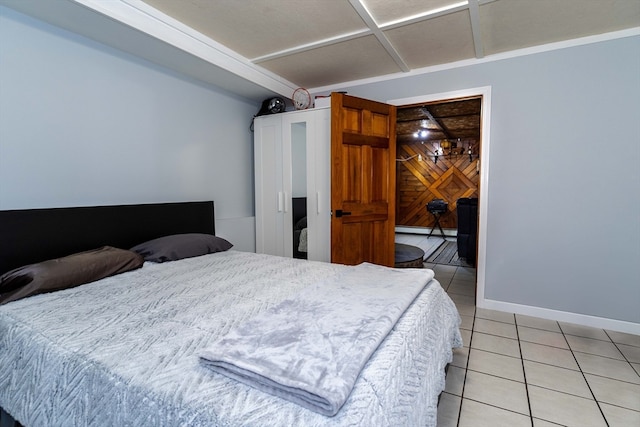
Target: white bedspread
[124,350]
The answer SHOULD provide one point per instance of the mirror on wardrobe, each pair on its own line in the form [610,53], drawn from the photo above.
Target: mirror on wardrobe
[299,188]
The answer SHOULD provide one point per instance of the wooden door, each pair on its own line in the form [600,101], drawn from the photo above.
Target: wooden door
[363,173]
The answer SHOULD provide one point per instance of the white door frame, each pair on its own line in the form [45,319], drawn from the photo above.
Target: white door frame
[483,203]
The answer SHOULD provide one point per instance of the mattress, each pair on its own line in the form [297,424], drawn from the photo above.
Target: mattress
[125,350]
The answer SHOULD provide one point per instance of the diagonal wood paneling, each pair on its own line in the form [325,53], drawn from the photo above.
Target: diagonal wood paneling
[419,181]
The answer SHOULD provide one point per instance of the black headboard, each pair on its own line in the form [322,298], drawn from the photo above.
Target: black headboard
[33,235]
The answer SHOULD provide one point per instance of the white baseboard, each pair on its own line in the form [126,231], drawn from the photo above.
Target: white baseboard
[562,316]
[425,231]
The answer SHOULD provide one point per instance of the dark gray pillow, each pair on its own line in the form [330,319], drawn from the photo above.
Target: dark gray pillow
[178,246]
[66,272]
[302,223]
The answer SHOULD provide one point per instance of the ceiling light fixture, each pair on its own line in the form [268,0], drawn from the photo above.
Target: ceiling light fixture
[421,134]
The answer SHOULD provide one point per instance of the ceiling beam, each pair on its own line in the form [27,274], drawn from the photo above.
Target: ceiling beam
[474,15]
[444,130]
[377,32]
[372,27]
[136,28]
[313,45]
[430,14]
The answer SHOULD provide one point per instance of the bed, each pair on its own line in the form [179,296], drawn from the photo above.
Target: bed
[130,349]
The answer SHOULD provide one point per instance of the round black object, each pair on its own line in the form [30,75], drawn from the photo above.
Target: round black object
[408,256]
[272,106]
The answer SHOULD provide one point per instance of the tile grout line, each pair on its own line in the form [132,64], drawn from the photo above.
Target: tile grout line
[583,376]
[524,372]
[508,410]
[484,403]
[622,353]
[466,368]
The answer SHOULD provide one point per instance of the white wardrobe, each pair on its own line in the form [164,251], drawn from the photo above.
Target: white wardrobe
[293,163]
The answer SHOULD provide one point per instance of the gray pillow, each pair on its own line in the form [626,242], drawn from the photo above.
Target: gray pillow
[178,246]
[66,272]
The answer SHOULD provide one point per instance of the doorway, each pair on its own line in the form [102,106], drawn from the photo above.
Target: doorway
[483,94]
[438,147]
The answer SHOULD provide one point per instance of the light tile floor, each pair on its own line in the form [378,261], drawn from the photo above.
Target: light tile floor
[517,370]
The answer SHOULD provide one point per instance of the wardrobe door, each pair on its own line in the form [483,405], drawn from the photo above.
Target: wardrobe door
[319,185]
[295,139]
[269,187]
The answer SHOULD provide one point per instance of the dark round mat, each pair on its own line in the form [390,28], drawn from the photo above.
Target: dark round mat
[408,256]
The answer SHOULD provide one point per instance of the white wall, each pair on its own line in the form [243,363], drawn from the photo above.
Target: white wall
[563,232]
[84,124]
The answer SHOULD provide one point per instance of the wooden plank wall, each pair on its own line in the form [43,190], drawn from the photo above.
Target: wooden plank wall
[419,181]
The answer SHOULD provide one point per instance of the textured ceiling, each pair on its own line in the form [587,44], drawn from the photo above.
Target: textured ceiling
[261,48]
[315,43]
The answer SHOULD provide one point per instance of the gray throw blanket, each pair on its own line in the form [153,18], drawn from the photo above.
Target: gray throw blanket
[310,348]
